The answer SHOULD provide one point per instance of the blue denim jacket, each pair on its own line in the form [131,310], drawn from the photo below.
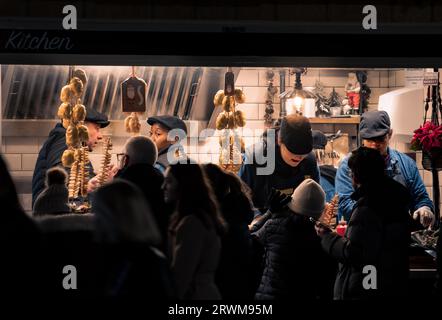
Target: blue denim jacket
[328,188]
[400,167]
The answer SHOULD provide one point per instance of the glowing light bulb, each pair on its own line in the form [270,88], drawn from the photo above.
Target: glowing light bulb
[298,102]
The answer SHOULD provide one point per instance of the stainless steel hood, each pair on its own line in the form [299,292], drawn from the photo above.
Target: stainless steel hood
[32,92]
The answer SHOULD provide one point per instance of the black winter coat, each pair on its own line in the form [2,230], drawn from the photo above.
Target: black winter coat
[69,240]
[49,157]
[150,180]
[378,234]
[234,276]
[21,249]
[134,270]
[294,261]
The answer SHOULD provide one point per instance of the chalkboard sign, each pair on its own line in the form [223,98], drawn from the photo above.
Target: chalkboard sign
[133,95]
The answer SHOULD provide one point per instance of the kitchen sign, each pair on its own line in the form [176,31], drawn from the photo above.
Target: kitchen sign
[22,41]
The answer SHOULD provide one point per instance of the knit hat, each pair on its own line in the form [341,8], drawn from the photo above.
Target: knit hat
[296,134]
[308,199]
[54,198]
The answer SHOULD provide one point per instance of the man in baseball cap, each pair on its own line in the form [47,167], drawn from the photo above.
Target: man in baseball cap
[167,132]
[293,157]
[375,132]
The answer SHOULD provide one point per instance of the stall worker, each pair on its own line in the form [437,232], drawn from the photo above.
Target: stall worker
[375,132]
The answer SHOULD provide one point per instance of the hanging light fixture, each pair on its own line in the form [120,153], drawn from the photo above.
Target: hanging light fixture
[296,98]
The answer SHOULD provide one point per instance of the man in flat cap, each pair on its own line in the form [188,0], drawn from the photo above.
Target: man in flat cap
[293,156]
[375,132]
[53,148]
[167,132]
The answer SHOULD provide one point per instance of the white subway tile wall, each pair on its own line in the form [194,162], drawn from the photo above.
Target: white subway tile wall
[13,161]
[256,94]
[400,78]
[251,111]
[28,161]
[383,79]
[248,78]
[21,144]
[391,79]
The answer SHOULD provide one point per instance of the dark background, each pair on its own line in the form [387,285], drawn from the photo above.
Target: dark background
[393,11]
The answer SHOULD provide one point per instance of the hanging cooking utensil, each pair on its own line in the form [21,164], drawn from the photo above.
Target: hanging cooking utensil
[229,83]
[133,94]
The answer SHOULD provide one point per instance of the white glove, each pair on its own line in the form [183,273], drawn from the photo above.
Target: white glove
[426,216]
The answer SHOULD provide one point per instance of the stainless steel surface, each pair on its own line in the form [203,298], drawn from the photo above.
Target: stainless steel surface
[32,91]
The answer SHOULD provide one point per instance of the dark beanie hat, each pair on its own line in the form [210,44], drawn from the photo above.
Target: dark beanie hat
[296,134]
[54,198]
[56,175]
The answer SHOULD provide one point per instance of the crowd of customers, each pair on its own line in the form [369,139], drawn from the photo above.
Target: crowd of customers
[192,233]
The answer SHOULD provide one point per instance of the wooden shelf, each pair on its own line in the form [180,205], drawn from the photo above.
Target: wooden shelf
[351,120]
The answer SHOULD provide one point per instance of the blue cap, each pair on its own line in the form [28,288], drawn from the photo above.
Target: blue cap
[374,124]
[170,122]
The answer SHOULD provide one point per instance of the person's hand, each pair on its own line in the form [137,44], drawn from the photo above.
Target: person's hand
[259,221]
[113,170]
[277,201]
[92,184]
[425,215]
[321,230]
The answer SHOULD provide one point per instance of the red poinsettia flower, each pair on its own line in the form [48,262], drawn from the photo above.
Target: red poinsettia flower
[427,137]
